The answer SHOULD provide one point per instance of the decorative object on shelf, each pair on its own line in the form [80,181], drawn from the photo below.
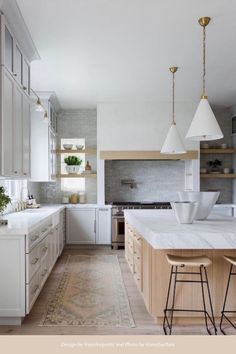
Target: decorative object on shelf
[74,198]
[79,147]
[185,211]
[4,201]
[206,201]
[173,143]
[205,146]
[82,197]
[72,164]
[223,146]
[226,170]
[203,170]
[204,125]
[65,200]
[215,166]
[88,168]
[67,146]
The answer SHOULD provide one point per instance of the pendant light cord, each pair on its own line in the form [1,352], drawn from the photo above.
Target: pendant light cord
[173,100]
[204,62]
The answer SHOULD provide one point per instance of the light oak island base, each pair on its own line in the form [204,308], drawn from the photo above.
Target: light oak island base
[151,273]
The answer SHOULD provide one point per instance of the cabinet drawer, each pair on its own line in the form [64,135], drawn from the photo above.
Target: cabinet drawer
[130,246]
[129,258]
[32,291]
[43,272]
[138,280]
[44,248]
[32,262]
[137,238]
[33,239]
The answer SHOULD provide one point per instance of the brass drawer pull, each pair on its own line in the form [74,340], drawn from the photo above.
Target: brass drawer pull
[35,260]
[35,289]
[44,250]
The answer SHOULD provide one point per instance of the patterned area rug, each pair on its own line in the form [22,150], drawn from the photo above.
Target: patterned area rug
[91,292]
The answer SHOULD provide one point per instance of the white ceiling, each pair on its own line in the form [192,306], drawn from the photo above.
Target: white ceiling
[120,50]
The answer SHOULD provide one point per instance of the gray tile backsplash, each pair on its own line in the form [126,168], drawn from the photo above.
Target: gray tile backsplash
[155,180]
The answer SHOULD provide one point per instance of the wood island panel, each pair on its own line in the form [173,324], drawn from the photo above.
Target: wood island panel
[155,273]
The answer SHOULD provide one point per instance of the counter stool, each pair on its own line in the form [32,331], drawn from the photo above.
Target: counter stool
[200,262]
[232,261]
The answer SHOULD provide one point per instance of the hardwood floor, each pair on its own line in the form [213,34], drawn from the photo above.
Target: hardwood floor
[145,324]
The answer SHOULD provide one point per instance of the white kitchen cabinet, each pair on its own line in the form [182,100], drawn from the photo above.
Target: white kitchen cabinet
[43,143]
[15,129]
[81,226]
[12,277]
[15,108]
[103,226]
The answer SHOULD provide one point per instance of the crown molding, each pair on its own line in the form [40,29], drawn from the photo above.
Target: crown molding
[13,15]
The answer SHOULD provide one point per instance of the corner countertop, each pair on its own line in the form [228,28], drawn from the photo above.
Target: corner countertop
[161,230]
[23,222]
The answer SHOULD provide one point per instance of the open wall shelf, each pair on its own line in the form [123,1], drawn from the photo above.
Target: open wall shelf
[218,151]
[218,175]
[85,151]
[81,175]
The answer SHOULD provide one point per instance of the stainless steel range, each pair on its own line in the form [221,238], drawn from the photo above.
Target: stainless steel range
[118,221]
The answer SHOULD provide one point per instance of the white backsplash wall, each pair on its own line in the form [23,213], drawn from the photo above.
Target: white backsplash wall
[74,124]
[156,180]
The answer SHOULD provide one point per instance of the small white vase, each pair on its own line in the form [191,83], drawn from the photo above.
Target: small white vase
[71,169]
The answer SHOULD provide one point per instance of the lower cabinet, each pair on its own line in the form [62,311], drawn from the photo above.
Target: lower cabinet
[81,226]
[88,226]
[25,264]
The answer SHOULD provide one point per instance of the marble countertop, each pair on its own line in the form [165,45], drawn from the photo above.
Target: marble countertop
[161,230]
[23,222]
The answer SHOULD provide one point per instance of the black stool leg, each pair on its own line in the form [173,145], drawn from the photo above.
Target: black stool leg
[166,322]
[203,300]
[225,299]
[212,318]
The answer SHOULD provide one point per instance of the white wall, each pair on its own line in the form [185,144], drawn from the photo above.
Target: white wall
[139,126]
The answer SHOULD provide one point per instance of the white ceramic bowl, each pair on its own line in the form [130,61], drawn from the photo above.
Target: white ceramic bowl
[79,147]
[185,212]
[67,146]
[206,201]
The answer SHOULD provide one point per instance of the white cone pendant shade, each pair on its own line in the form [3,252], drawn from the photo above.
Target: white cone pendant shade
[204,125]
[173,143]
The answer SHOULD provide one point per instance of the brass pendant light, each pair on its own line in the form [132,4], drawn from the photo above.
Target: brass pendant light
[204,125]
[173,143]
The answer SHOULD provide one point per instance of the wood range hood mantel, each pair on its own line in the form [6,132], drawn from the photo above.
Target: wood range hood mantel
[146,155]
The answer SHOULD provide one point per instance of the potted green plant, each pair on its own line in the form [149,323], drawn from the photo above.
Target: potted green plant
[215,165]
[73,164]
[4,201]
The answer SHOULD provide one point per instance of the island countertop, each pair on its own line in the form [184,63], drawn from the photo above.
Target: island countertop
[162,231]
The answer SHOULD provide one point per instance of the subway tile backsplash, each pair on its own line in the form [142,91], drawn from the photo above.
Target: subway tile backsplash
[154,180]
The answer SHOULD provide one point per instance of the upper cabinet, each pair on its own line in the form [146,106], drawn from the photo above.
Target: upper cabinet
[44,139]
[15,107]
[13,58]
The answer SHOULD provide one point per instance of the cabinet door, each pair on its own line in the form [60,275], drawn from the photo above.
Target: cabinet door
[26,76]
[18,63]
[7,123]
[26,137]
[80,226]
[103,226]
[17,131]
[8,58]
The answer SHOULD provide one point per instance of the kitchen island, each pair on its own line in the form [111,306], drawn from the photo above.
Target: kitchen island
[151,234]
